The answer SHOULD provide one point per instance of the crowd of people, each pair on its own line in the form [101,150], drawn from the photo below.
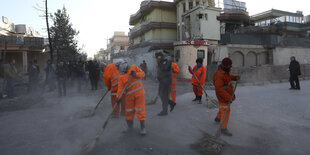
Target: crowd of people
[51,77]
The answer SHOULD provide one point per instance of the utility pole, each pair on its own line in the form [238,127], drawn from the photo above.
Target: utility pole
[48,32]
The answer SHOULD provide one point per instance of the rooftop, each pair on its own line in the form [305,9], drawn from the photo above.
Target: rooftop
[273,13]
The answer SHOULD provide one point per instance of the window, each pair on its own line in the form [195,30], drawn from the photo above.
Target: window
[190,4]
[122,48]
[184,7]
[199,16]
[177,55]
[206,16]
[201,54]
[197,3]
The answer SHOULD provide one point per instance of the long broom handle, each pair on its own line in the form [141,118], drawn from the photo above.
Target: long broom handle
[226,111]
[101,99]
[200,84]
[110,115]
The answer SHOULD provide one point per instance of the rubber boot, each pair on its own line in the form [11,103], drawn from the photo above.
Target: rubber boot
[143,131]
[226,132]
[129,126]
[195,98]
[199,99]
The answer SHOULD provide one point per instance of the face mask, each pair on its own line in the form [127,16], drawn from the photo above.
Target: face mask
[123,67]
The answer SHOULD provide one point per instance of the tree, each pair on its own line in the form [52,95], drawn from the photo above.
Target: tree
[64,36]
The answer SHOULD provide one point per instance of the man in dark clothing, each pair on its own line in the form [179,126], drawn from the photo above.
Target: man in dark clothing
[50,70]
[61,73]
[80,73]
[165,79]
[33,73]
[294,73]
[94,73]
[143,66]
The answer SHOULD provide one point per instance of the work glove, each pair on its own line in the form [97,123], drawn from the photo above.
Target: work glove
[118,100]
[237,78]
[133,73]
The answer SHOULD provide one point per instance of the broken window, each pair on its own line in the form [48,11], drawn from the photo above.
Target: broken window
[201,54]
[122,48]
[184,7]
[197,3]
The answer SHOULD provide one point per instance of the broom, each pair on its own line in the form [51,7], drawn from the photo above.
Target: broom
[208,98]
[92,112]
[87,148]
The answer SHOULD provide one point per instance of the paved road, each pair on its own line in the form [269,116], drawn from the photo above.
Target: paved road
[266,119]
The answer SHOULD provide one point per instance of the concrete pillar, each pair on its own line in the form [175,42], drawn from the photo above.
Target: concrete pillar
[200,2]
[194,3]
[25,61]
[186,5]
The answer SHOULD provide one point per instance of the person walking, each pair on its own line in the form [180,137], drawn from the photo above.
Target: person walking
[200,72]
[61,73]
[50,75]
[33,73]
[224,90]
[164,77]
[135,101]
[80,74]
[294,69]
[173,87]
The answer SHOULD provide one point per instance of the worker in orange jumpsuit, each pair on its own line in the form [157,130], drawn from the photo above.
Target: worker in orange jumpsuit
[224,91]
[200,71]
[173,87]
[135,102]
[110,75]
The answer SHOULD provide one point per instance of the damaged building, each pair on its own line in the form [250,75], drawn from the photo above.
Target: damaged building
[259,45]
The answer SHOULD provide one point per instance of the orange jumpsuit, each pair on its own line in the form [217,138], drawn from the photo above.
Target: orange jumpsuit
[173,87]
[110,76]
[200,73]
[135,102]
[224,89]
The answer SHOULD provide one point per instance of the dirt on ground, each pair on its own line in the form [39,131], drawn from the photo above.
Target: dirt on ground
[268,119]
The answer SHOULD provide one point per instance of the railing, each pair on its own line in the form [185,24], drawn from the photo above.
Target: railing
[28,41]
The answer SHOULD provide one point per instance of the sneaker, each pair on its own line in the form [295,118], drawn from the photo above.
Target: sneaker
[226,132]
[143,132]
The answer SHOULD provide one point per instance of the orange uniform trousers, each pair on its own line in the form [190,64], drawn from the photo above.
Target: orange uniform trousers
[173,90]
[119,106]
[222,109]
[197,90]
[135,104]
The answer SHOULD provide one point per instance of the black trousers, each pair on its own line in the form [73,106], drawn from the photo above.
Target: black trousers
[294,81]
[164,88]
[62,87]
[94,82]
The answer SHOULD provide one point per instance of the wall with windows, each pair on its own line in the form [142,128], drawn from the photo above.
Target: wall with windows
[291,19]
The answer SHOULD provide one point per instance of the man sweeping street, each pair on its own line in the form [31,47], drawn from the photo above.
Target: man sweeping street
[164,77]
[224,91]
[173,87]
[200,72]
[110,75]
[135,101]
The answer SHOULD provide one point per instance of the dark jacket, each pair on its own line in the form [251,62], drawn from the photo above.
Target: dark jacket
[294,68]
[164,71]
[61,72]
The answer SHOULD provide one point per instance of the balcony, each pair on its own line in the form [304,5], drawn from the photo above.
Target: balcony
[22,41]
